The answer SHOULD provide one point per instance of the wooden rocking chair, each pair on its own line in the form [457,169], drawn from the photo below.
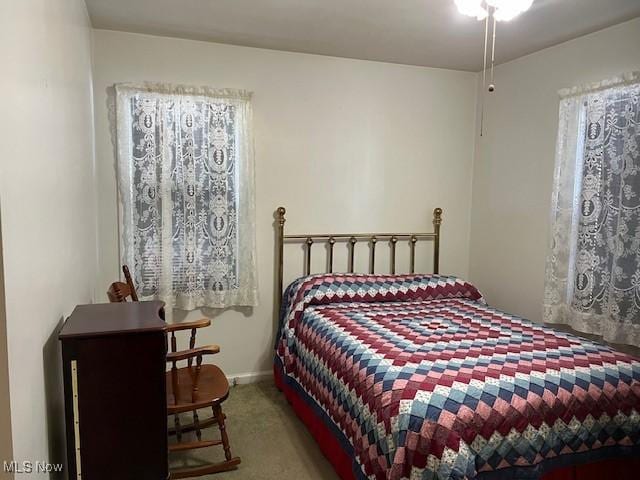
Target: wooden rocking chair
[189,389]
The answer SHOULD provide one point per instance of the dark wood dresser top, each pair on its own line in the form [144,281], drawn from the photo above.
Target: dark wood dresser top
[103,319]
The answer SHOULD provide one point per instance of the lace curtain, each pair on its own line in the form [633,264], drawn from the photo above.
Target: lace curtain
[185,174]
[593,266]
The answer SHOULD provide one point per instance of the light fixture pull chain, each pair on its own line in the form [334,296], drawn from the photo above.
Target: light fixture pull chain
[492,86]
[484,73]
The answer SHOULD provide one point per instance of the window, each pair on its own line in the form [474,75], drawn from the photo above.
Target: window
[593,266]
[185,170]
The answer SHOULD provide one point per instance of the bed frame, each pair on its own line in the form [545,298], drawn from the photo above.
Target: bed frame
[330,239]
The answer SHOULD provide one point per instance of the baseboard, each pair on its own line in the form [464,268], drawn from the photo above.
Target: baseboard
[253,377]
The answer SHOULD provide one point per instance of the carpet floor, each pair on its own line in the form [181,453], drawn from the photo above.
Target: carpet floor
[266,434]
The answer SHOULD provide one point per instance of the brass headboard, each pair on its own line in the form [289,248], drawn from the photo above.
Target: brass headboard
[308,240]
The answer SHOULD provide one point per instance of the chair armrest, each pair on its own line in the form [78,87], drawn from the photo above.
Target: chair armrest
[174,327]
[193,353]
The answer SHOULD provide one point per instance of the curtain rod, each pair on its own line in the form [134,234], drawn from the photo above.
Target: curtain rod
[628,78]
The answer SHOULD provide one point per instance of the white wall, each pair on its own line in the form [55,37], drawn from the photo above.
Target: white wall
[514,165]
[343,144]
[48,206]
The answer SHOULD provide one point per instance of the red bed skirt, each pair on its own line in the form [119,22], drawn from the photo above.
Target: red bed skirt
[615,469]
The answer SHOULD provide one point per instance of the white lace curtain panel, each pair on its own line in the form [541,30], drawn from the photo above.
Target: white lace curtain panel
[593,266]
[185,175]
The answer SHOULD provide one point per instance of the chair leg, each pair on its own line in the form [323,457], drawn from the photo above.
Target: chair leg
[176,420]
[217,412]
[196,424]
[231,463]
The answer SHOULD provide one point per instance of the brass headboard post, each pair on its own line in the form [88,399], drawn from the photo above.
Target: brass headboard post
[280,215]
[437,221]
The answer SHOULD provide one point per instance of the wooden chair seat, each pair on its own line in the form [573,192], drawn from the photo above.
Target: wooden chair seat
[213,388]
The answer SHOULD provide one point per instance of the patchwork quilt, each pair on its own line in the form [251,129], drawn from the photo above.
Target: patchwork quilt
[426,381]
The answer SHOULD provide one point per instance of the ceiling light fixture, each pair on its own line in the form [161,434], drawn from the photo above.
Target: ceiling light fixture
[503,10]
[491,11]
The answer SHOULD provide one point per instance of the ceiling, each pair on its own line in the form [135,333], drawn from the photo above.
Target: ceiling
[416,32]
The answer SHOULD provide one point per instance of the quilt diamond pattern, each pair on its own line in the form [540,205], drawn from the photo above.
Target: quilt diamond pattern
[426,381]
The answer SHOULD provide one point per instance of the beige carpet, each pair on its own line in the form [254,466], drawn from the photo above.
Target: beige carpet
[267,435]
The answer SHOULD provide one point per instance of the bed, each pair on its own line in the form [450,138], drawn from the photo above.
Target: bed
[414,376]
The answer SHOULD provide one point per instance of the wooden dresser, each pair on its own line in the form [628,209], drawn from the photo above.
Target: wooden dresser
[114,358]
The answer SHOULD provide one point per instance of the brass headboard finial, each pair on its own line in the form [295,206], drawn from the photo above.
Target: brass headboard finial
[437,216]
[281,211]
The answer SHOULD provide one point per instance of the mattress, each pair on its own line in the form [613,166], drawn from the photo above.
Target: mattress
[420,379]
